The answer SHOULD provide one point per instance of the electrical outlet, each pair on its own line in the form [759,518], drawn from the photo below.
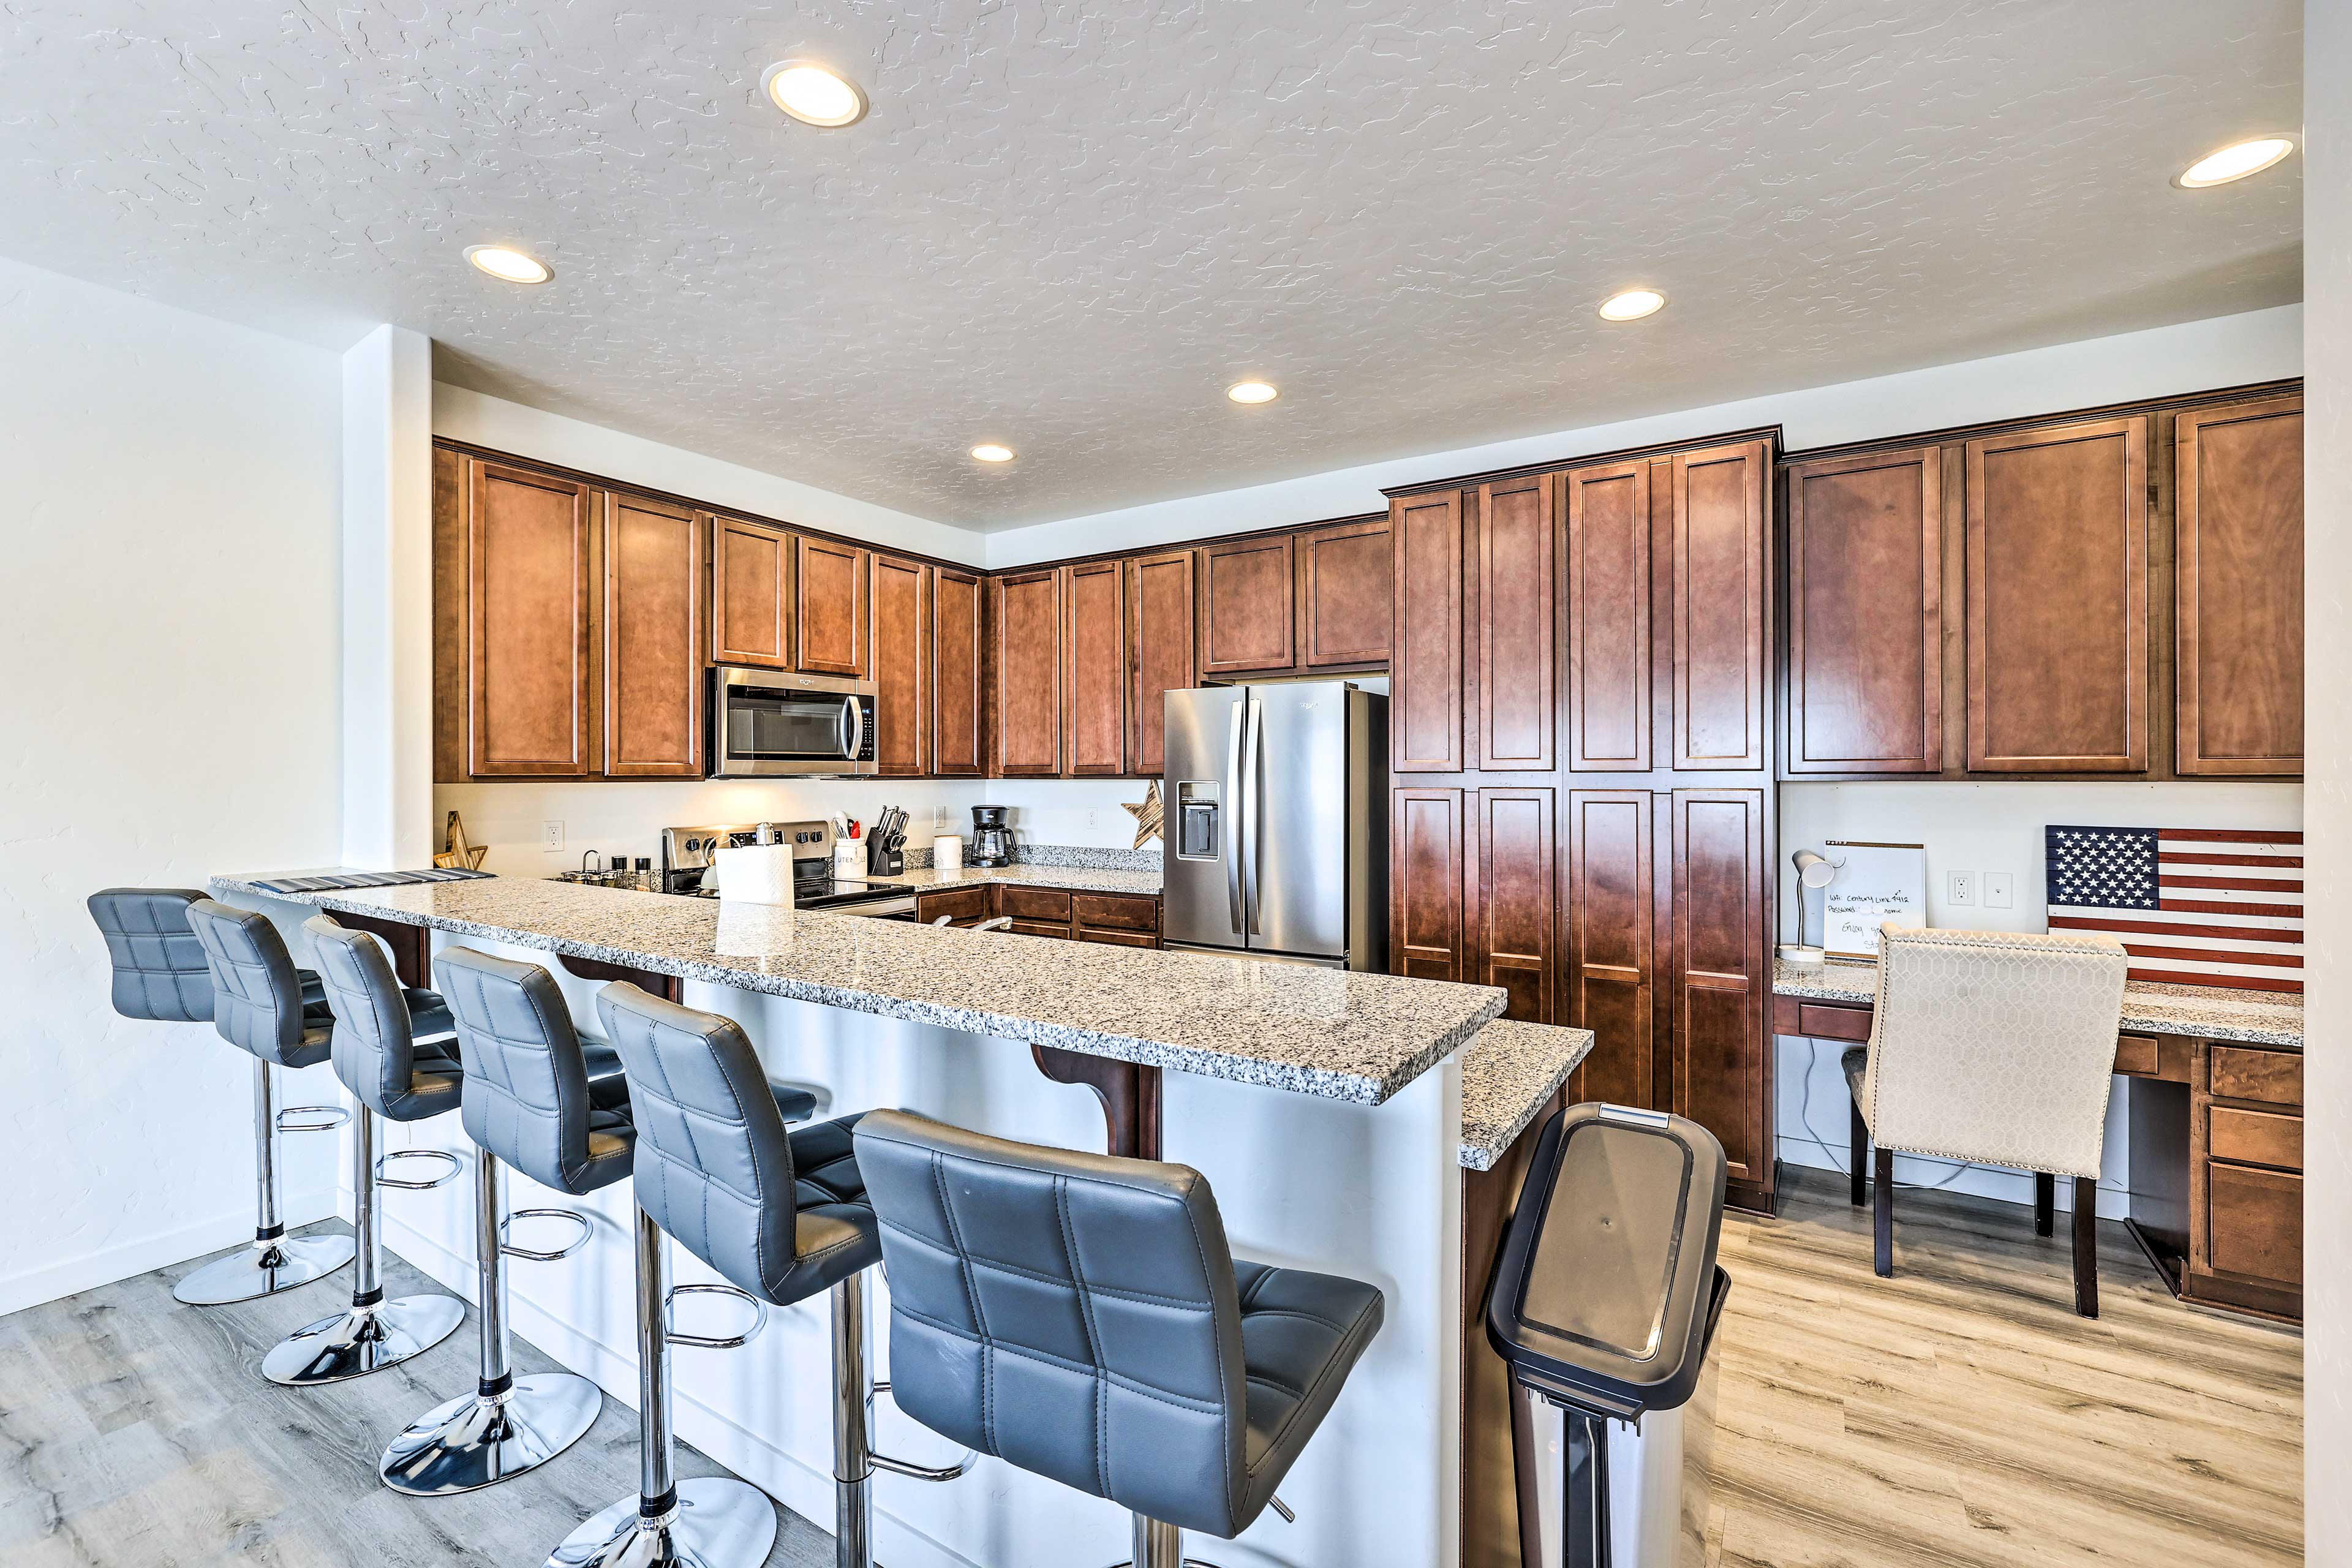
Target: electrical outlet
[1959,888]
[1093,819]
[551,837]
[939,819]
[1999,890]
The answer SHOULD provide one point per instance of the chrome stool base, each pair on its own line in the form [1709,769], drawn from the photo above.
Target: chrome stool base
[264,1270]
[718,1523]
[473,1442]
[362,1339]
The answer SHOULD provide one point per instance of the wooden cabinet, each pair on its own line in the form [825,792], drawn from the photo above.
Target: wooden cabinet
[899,611]
[1119,920]
[1610,700]
[2057,599]
[1025,648]
[2245,1179]
[2239,604]
[961,906]
[1865,692]
[751,594]
[1720,975]
[830,608]
[1246,606]
[530,655]
[1093,667]
[1609,974]
[1159,647]
[1125,919]
[1425,883]
[1425,641]
[1510,895]
[1719,566]
[1517,613]
[653,665]
[959,727]
[1343,594]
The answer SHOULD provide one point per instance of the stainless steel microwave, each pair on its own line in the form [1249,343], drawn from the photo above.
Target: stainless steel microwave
[768,723]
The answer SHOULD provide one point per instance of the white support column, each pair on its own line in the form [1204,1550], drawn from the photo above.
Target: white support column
[387,593]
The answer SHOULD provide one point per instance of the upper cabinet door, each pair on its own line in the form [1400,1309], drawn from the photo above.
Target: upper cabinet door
[653,639]
[751,594]
[1866,614]
[1425,648]
[1160,647]
[2240,587]
[1516,646]
[831,608]
[1718,565]
[529,541]
[1609,690]
[1245,605]
[2057,599]
[1027,644]
[1094,667]
[1343,594]
[899,612]
[959,736]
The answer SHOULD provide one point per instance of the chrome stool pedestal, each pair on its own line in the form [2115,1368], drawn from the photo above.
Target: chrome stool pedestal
[274,1261]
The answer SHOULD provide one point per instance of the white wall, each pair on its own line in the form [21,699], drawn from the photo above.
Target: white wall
[171,711]
[388,658]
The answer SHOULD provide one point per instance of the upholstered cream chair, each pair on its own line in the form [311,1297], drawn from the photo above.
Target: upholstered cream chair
[1997,1048]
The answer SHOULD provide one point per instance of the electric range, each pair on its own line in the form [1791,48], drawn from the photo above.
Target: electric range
[686,856]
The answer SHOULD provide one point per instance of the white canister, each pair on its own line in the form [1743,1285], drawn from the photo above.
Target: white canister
[947,853]
[848,858]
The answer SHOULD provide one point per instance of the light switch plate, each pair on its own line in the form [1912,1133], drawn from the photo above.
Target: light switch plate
[1999,890]
[1960,888]
[551,837]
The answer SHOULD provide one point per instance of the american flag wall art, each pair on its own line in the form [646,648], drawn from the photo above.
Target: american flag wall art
[2193,906]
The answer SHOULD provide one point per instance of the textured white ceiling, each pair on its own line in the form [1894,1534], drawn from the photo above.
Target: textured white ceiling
[1068,226]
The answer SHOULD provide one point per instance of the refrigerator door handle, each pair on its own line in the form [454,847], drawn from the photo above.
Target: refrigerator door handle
[1251,741]
[1232,846]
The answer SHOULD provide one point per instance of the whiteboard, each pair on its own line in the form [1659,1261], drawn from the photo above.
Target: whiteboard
[1874,883]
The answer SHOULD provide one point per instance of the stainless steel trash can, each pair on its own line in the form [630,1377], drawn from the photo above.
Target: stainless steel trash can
[1603,1304]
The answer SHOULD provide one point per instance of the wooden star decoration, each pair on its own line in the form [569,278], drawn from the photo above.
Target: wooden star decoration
[1147,814]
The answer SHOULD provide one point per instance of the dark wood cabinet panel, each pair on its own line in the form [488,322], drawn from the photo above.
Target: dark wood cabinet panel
[2057,599]
[751,594]
[2238,616]
[1026,647]
[1094,667]
[531,539]
[653,639]
[1509,888]
[1517,612]
[830,608]
[1866,614]
[1719,608]
[1722,1079]
[452,682]
[959,733]
[1425,883]
[1343,594]
[1610,702]
[899,614]
[1160,649]
[1246,606]
[1425,646]
[1609,974]
[2254,1223]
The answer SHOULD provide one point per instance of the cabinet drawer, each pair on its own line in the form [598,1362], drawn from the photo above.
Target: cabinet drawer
[1040,928]
[2275,1077]
[1111,910]
[2253,1223]
[2254,1137]
[1033,903]
[2138,1055]
[1119,938]
[963,904]
[1826,1023]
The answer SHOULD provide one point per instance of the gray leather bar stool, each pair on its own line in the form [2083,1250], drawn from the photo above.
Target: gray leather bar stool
[261,1004]
[1080,1316]
[536,1099]
[782,1215]
[392,1049]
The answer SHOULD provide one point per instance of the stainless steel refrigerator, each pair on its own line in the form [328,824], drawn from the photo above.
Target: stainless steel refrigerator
[1276,843]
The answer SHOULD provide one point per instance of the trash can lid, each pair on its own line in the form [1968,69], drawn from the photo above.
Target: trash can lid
[1603,1290]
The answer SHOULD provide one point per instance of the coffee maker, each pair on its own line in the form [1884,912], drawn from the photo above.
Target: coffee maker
[991,841]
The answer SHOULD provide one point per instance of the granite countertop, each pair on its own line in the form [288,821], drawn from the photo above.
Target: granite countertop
[1507,1074]
[2208,1012]
[1357,1037]
[1076,879]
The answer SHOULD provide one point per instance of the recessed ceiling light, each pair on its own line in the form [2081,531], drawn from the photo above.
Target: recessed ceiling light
[1251,391]
[507,265]
[989,452]
[2234,162]
[1632,305]
[813,94]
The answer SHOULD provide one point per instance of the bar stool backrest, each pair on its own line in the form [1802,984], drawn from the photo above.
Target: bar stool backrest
[256,995]
[376,1033]
[1073,1315]
[160,971]
[526,1100]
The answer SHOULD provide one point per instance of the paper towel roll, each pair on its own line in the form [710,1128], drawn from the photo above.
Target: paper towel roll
[755,873]
[947,853]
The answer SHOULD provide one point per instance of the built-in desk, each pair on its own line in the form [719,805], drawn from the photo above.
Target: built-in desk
[2214,1101]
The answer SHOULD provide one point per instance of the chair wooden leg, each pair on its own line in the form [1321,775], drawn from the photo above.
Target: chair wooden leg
[1881,1258]
[2045,1203]
[1858,1156]
[2087,1247]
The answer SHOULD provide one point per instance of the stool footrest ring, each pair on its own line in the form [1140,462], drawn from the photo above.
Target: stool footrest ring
[330,1117]
[587,1230]
[920,1472]
[718,1341]
[420,1184]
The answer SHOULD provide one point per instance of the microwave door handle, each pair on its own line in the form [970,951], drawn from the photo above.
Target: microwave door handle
[1233,800]
[1253,742]
[853,729]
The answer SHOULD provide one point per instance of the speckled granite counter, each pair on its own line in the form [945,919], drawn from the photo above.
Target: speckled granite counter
[2208,1012]
[1358,1038]
[1507,1074]
[1075,878]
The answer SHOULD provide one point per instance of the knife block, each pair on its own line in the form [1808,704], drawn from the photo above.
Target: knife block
[881,862]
